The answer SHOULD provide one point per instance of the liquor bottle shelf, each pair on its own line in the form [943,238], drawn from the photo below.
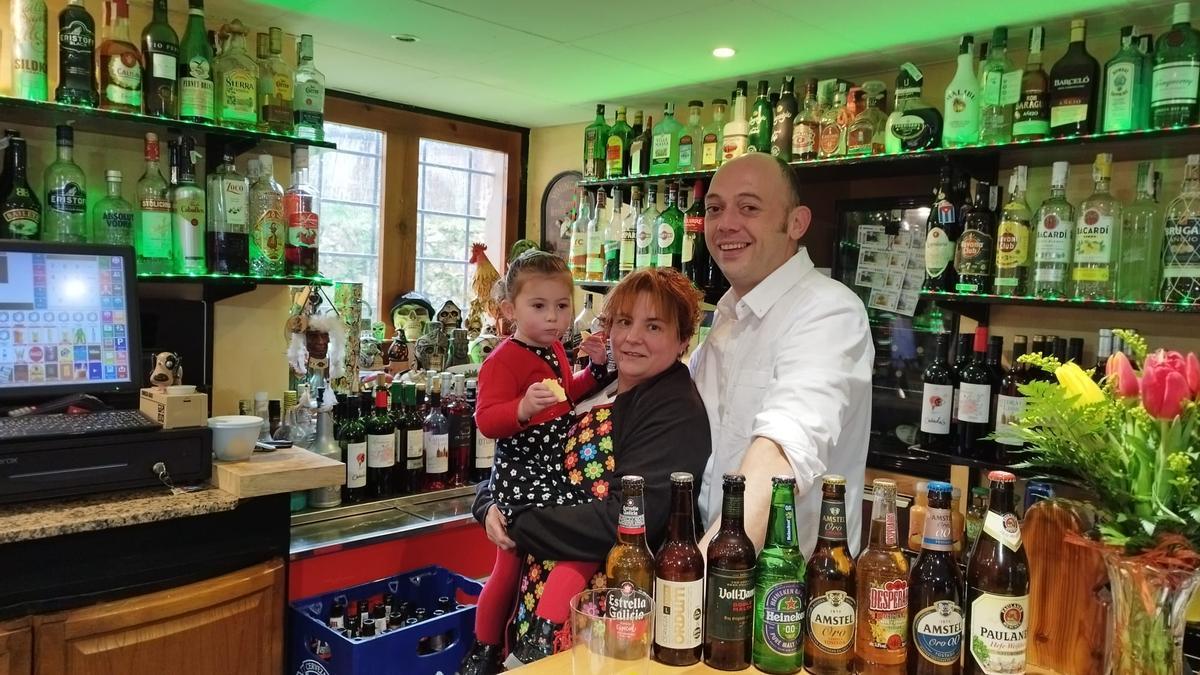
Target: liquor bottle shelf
[1125,145]
[1027,301]
[214,287]
[18,111]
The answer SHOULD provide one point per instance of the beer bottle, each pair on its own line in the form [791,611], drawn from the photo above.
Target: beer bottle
[829,607]
[630,561]
[998,587]
[880,642]
[935,593]
[679,582]
[779,590]
[729,599]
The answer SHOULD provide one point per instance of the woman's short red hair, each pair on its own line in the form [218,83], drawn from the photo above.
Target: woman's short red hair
[674,297]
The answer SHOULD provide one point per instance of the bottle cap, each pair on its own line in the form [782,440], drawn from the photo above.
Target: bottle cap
[720,101]
[979,491]
[632,481]
[1058,174]
[695,104]
[113,176]
[733,479]
[939,486]
[833,479]
[981,338]
[1182,13]
[776,481]
[1001,477]
[681,477]
[64,134]
[884,484]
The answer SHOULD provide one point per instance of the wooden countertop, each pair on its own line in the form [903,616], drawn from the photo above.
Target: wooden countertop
[560,664]
[284,470]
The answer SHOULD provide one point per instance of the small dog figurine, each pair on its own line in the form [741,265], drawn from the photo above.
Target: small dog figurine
[168,370]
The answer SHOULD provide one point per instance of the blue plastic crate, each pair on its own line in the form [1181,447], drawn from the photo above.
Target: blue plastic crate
[316,649]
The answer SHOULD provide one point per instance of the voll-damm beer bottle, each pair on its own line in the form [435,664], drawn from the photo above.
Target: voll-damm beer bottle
[679,582]
[779,591]
[829,608]
[630,561]
[935,593]
[729,598]
[998,588]
[881,640]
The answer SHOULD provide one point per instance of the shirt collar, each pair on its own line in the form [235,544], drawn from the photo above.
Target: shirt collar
[762,297]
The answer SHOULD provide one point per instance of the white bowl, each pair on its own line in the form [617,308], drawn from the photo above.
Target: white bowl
[234,436]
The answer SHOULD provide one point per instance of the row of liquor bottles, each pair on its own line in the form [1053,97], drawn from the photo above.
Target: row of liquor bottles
[202,77]
[1102,250]
[833,613]
[240,225]
[965,401]
[606,244]
[1146,84]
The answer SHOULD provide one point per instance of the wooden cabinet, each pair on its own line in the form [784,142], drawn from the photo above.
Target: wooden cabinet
[16,647]
[232,623]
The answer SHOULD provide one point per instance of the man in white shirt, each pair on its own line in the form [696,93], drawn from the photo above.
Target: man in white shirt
[785,371]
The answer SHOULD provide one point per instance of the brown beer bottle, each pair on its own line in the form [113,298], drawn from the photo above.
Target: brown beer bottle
[630,561]
[935,593]
[880,643]
[679,582]
[729,598]
[829,640]
[998,588]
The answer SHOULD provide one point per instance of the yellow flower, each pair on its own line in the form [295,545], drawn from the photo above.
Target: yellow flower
[1076,383]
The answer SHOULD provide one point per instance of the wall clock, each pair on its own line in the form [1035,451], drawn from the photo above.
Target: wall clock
[558,212]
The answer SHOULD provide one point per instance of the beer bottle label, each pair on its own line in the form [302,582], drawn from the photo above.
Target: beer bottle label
[937,632]
[629,608]
[631,520]
[831,622]
[999,626]
[783,617]
[887,614]
[729,604]
[677,618]
[833,521]
[1005,529]
[939,532]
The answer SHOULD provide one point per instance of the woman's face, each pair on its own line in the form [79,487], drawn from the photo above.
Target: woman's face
[643,343]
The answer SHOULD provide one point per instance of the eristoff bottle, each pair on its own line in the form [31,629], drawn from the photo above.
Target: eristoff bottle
[779,590]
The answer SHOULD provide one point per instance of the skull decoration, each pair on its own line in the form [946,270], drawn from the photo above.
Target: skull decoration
[450,316]
[482,346]
[430,347]
[410,312]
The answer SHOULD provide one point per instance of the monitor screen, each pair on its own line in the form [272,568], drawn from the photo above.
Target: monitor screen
[68,319]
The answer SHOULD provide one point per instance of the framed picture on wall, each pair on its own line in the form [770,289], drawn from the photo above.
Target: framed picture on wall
[558,212]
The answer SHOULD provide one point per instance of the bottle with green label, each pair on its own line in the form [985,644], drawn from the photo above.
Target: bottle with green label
[758,137]
[153,217]
[308,94]
[664,143]
[1173,87]
[195,68]
[779,587]
[66,194]
[20,210]
[268,229]
[1093,266]
[112,217]
[29,61]
[236,81]
[160,49]
[1012,238]
[1122,108]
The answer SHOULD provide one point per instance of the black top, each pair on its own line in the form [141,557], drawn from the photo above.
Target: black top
[659,426]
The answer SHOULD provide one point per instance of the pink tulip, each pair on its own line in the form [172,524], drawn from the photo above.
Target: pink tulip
[1192,370]
[1165,384]
[1120,372]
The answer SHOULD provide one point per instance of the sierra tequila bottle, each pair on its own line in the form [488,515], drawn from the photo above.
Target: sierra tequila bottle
[1093,269]
[1181,243]
[236,81]
[1053,238]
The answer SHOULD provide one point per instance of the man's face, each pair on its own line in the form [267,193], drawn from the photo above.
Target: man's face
[748,227]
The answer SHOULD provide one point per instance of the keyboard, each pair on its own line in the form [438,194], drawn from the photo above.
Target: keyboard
[29,427]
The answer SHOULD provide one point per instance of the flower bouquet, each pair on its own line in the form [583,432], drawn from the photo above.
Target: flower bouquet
[1133,442]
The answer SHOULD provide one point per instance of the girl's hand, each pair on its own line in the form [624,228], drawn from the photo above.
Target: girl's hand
[537,398]
[594,347]
[497,528]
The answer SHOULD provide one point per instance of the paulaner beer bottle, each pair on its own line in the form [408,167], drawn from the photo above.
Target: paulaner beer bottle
[779,591]
[935,593]
[881,639]
[729,601]
[679,582]
[829,607]
[630,560]
[998,588]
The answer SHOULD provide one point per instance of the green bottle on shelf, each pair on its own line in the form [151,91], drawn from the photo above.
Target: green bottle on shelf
[112,217]
[153,235]
[66,194]
[664,143]
[195,68]
[595,147]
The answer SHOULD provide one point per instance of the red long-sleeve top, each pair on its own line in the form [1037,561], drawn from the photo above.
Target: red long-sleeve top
[506,375]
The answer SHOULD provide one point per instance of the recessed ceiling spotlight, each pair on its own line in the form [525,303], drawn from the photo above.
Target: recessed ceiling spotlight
[724,52]
[405,37]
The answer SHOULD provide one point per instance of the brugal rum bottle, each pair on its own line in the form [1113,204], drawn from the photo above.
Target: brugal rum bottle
[729,602]
[679,582]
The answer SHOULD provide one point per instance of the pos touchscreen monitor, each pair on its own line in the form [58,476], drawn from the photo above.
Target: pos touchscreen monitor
[68,320]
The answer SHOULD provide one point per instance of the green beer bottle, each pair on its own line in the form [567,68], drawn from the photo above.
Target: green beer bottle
[779,591]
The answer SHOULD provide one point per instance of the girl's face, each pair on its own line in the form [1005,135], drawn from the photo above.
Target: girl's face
[644,343]
[541,310]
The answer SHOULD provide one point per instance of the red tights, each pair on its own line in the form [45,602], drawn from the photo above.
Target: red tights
[496,601]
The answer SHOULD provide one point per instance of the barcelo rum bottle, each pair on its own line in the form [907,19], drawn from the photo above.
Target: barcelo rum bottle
[880,644]
[829,640]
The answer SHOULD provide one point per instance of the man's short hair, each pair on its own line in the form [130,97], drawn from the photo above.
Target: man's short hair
[790,180]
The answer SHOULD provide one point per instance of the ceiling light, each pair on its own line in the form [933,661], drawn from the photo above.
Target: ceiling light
[724,52]
[405,37]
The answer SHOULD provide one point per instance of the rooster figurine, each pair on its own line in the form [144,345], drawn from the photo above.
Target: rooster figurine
[484,308]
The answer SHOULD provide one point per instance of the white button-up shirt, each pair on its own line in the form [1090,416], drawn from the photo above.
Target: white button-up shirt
[791,361]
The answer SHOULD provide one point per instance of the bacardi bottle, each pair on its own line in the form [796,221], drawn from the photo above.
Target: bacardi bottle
[1054,238]
[1181,242]
[1093,266]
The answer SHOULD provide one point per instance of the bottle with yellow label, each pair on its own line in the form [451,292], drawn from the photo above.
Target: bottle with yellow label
[275,79]
[1012,238]
[1093,265]
[236,81]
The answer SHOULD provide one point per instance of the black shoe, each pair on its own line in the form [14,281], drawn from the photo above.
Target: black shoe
[483,659]
[537,642]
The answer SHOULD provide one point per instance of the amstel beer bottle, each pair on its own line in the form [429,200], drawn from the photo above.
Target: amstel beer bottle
[935,593]
[830,608]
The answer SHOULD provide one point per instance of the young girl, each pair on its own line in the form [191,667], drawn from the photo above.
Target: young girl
[526,394]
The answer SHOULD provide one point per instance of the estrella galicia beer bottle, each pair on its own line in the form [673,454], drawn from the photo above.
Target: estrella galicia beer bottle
[729,596]
[779,591]
[935,593]
[829,606]
[630,561]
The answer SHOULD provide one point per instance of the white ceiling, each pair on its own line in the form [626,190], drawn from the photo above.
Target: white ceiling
[545,62]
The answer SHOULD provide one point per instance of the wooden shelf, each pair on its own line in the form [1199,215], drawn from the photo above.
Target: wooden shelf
[215,287]
[1059,303]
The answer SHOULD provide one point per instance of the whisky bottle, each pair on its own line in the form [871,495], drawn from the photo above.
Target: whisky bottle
[120,62]
[76,56]
[616,154]
[865,135]
[1074,87]
[832,139]
[806,128]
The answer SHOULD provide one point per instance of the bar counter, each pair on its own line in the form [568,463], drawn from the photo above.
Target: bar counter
[560,664]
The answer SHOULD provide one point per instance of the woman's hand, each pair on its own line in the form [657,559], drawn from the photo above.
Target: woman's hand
[496,526]
[537,398]
[594,346]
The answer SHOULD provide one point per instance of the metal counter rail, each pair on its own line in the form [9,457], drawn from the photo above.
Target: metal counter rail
[372,522]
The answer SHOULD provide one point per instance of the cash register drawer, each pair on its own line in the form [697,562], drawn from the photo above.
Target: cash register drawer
[40,469]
